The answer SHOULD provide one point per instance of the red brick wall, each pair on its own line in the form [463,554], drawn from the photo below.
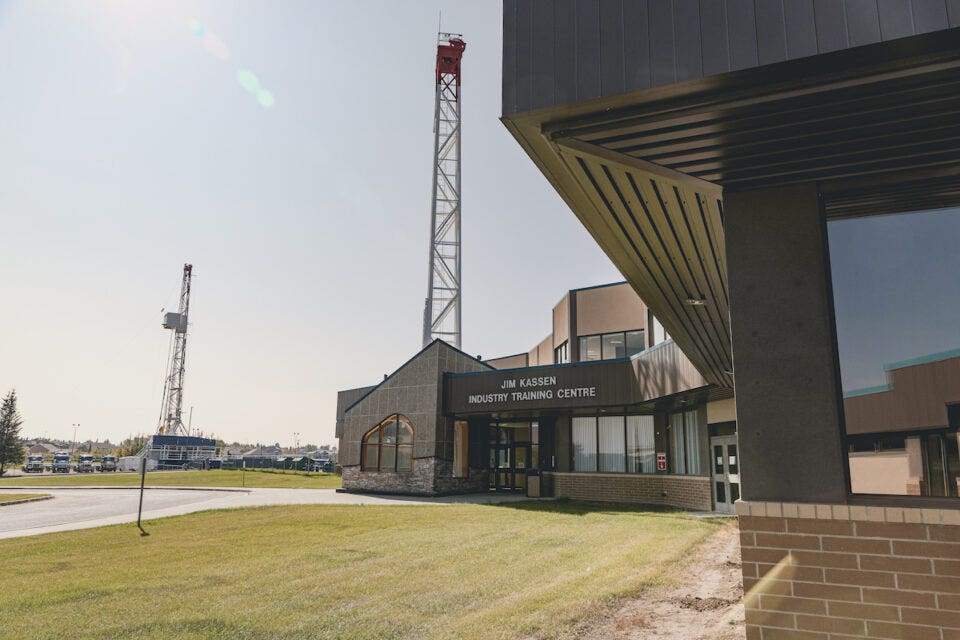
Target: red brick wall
[686,492]
[837,573]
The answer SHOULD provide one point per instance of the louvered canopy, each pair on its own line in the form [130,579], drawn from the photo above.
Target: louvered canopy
[645,171]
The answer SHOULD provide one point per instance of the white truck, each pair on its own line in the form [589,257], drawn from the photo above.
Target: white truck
[34,463]
[84,464]
[61,462]
[107,463]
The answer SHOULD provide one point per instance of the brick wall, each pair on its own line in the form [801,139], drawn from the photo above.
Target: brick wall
[686,492]
[822,572]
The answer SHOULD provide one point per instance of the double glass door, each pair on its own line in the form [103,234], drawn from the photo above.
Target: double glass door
[726,472]
[511,456]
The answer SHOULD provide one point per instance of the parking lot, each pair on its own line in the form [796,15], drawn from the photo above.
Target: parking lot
[84,508]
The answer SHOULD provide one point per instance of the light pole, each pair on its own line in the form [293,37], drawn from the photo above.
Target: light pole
[296,441]
[74,449]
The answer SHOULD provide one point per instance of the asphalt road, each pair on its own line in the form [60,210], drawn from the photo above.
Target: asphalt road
[85,508]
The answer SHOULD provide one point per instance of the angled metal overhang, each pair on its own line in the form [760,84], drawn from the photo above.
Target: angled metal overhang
[645,171]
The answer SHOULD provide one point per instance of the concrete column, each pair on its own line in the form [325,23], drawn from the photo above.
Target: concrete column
[788,400]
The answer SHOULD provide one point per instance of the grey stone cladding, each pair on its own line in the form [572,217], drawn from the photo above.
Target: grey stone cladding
[414,391]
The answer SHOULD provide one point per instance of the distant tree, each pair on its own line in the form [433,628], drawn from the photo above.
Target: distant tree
[11,448]
[131,446]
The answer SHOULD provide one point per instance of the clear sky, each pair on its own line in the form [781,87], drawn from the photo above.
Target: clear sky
[284,148]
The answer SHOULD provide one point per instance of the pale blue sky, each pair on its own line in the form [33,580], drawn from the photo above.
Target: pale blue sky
[128,147]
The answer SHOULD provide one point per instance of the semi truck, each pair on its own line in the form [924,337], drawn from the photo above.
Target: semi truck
[61,462]
[34,463]
[84,464]
[107,463]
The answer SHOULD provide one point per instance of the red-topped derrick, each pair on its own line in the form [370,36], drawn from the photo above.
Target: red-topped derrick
[449,53]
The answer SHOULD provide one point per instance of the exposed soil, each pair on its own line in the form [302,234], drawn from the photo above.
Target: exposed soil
[704,603]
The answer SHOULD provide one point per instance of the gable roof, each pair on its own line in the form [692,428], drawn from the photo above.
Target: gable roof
[414,357]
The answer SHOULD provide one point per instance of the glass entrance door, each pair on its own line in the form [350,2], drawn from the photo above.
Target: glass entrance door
[726,472]
[511,455]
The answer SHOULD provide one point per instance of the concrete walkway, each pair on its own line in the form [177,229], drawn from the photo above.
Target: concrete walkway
[74,508]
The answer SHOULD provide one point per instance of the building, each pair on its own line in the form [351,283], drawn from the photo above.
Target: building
[780,181]
[180,452]
[606,407]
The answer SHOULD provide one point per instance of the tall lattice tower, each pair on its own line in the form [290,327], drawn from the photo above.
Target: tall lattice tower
[171,422]
[441,314]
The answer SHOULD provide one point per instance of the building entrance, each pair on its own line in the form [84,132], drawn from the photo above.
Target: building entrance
[512,454]
[726,472]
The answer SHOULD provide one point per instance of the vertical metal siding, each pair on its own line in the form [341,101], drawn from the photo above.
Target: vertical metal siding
[713,38]
[508,94]
[636,45]
[562,51]
[801,40]
[611,47]
[588,49]
[542,94]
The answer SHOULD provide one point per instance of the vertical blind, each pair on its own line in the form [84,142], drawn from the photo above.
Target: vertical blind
[584,444]
[641,447]
[612,444]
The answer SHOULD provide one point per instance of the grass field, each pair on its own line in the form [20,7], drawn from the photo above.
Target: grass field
[274,478]
[348,572]
[13,497]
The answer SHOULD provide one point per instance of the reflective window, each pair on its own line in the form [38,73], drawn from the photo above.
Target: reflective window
[561,354]
[389,446]
[659,335]
[636,342]
[584,444]
[618,444]
[608,346]
[613,346]
[896,297]
[684,431]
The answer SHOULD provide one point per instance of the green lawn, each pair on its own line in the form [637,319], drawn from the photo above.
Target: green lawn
[346,572]
[13,497]
[214,478]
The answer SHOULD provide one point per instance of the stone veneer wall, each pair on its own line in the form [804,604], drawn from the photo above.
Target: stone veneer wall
[837,572]
[686,492]
[429,477]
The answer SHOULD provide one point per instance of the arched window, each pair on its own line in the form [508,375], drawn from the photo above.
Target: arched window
[389,446]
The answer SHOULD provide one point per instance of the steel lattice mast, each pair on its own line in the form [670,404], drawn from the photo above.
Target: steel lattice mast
[441,314]
[171,422]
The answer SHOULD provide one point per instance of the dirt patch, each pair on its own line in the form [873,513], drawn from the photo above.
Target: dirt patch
[703,603]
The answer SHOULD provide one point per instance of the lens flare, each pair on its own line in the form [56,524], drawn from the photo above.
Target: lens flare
[265,98]
[195,26]
[248,81]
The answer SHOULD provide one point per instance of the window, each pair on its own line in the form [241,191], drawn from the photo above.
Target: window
[896,298]
[659,335]
[614,444]
[607,346]
[461,443]
[590,348]
[612,450]
[636,342]
[641,448]
[561,354]
[685,443]
[389,446]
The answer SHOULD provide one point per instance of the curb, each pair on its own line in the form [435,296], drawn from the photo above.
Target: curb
[25,500]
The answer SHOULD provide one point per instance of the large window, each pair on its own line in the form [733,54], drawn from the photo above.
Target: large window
[685,443]
[389,446]
[896,291]
[561,355]
[614,444]
[607,346]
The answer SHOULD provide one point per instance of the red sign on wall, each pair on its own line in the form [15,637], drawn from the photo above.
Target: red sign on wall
[661,461]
